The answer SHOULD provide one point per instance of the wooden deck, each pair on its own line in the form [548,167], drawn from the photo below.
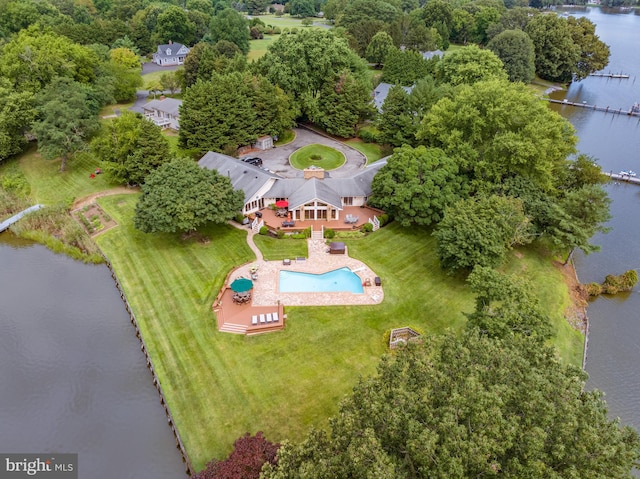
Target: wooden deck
[236,318]
[363,213]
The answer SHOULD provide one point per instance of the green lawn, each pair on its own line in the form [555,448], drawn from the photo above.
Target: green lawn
[154,77]
[330,157]
[258,48]
[49,186]
[372,151]
[286,21]
[277,249]
[219,385]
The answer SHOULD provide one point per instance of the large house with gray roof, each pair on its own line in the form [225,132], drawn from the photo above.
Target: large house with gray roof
[170,54]
[316,196]
[164,112]
[381,92]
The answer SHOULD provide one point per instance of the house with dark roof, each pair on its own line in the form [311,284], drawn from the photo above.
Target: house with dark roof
[381,92]
[164,112]
[316,196]
[170,54]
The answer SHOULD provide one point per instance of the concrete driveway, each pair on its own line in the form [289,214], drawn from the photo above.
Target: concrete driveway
[277,159]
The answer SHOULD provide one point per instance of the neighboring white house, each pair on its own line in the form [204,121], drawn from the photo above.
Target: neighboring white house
[433,54]
[382,90]
[314,197]
[170,54]
[164,112]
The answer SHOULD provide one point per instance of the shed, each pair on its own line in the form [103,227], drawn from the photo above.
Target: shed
[337,247]
[264,143]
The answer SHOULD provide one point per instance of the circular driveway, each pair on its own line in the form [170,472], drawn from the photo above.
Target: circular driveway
[277,159]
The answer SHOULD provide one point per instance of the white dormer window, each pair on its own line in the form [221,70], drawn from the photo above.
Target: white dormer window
[168,51]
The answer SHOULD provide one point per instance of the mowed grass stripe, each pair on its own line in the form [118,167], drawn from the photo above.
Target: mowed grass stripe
[219,385]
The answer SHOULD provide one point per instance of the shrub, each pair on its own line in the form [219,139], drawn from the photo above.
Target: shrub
[384,219]
[366,228]
[614,284]
[307,232]
[238,218]
[593,289]
[329,233]
[298,236]
[280,234]
[307,22]
[256,33]
[315,157]
[368,134]
[264,230]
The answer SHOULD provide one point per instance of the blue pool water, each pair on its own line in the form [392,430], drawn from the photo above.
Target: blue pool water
[336,281]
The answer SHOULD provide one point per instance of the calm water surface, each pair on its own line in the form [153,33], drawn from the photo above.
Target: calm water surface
[614,339]
[72,373]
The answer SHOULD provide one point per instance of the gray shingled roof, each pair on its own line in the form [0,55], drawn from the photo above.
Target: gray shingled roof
[173,47]
[430,55]
[312,189]
[359,185]
[244,176]
[168,105]
[382,90]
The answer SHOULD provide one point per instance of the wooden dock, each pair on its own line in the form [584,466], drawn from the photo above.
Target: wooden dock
[5,224]
[621,76]
[617,111]
[620,177]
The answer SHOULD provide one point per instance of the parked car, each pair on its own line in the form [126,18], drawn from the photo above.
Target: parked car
[288,223]
[253,161]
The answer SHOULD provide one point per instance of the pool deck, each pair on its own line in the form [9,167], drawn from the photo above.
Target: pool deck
[266,294]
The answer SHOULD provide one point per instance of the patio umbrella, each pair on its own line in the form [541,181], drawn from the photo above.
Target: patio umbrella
[282,204]
[241,285]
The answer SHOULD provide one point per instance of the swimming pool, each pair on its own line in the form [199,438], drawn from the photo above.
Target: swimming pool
[341,280]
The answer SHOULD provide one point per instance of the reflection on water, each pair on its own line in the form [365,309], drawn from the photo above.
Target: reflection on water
[72,373]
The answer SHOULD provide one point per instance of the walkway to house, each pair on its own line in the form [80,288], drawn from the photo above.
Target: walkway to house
[277,159]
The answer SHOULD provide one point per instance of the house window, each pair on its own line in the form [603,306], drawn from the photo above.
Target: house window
[347,201]
[309,214]
[334,214]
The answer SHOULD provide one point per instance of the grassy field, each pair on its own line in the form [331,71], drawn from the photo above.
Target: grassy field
[49,186]
[153,78]
[330,157]
[372,151]
[276,249]
[258,48]
[219,385]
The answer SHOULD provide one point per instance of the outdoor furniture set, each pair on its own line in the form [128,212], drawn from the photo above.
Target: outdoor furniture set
[264,318]
[351,220]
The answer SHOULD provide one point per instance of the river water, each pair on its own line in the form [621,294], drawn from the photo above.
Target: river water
[73,378]
[614,338]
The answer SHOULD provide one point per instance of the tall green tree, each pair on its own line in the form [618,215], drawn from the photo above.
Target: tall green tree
[232,110]
[35,57]
[64,123]
[17,111]
[302,8]
[404,67]
[594,53]
[127,72]
[231,26]
[583,212]
[130,147]
[467,406]
[506,304]
[515,50]
[469,65]
[479,231]
[173,24]
[378,48]
[303,63]
[416,185]
[557,54]
[180,196]
[497,130]
[343,104]
[397,122]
